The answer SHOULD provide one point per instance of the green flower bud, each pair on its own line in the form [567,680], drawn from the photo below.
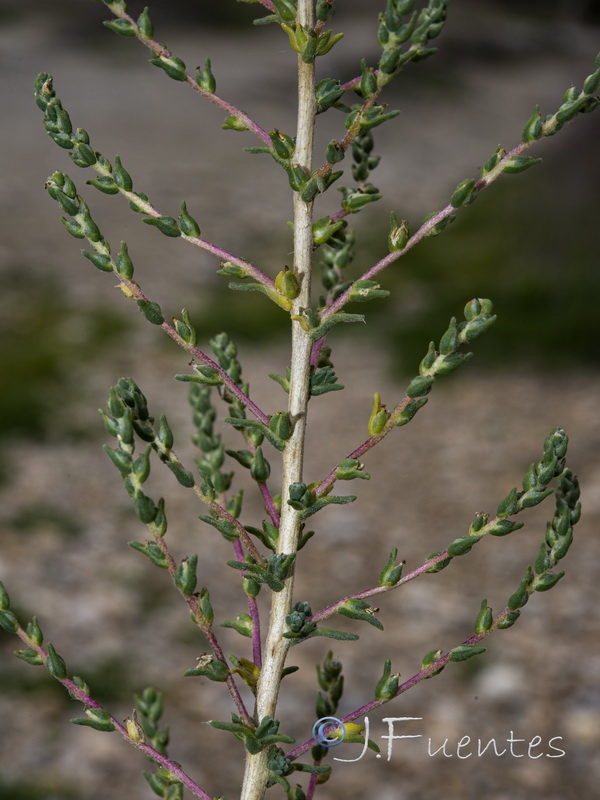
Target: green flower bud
[141,466]
[323,229]
[390,61]
[121,177]
[281,425]
[464,194]
[187,224]
[484,619]
[211,668]
[363,291]
[451,362]
[548,580]
[103,184]
[55,664]
[324,10]
[151,311]
[185,328]
[160,520]
[392,572]
[121,26]
[542,562]
[83,155]
[492,161]
[233,123]
[476,308]
[368,81]
[509,620]
[152,551]
[509,505]
[166,225]
[398,235]
[387,685]
[134,729]
[561,546]
[410,410]
[309,50]
[349,469]
[520,597]
[101,262]
[326,41]
[286,284]
[138,208]
[121,460]
[520,163]
[185,575]
[8,621]
[96,718]
[124,263]
[260,469]
[327,93]
[242,624]
[592,83]
[533,126]
[462,545]
[173,67]
[145,26]
[286,10]
[68,205]
[323,707]
[144,507]
[205,78]
[420,386]
[429,658]
[532,498]
[449,342]
[30,657]
[250,586]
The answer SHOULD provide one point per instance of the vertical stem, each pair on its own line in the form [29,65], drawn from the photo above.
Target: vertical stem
[276,646]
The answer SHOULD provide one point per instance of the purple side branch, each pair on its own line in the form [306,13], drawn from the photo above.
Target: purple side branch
[423,231]
[426,672]
[89,702]
[159,50]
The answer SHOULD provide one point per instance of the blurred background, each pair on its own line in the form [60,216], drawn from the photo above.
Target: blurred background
[529,243]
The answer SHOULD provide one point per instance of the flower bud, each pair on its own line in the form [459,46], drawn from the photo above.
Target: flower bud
[260,469]
[205,78]
[464,194]
[187,224]
[134,729]
[55,664]
[387,685]
[286,284]
[173,67]
[121,26]
[185,575]
[379,417]
[145,26]
[484,619]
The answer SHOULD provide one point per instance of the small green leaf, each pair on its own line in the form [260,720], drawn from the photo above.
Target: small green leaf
[465,651]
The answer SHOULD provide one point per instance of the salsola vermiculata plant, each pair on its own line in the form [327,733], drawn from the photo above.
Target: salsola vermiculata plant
[265,555]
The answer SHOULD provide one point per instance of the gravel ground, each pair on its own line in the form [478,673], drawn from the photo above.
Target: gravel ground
[102,603]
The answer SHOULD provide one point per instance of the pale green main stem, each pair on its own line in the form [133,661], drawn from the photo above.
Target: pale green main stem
[276,646]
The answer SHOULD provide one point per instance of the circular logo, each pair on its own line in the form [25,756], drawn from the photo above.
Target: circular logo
[319,728]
